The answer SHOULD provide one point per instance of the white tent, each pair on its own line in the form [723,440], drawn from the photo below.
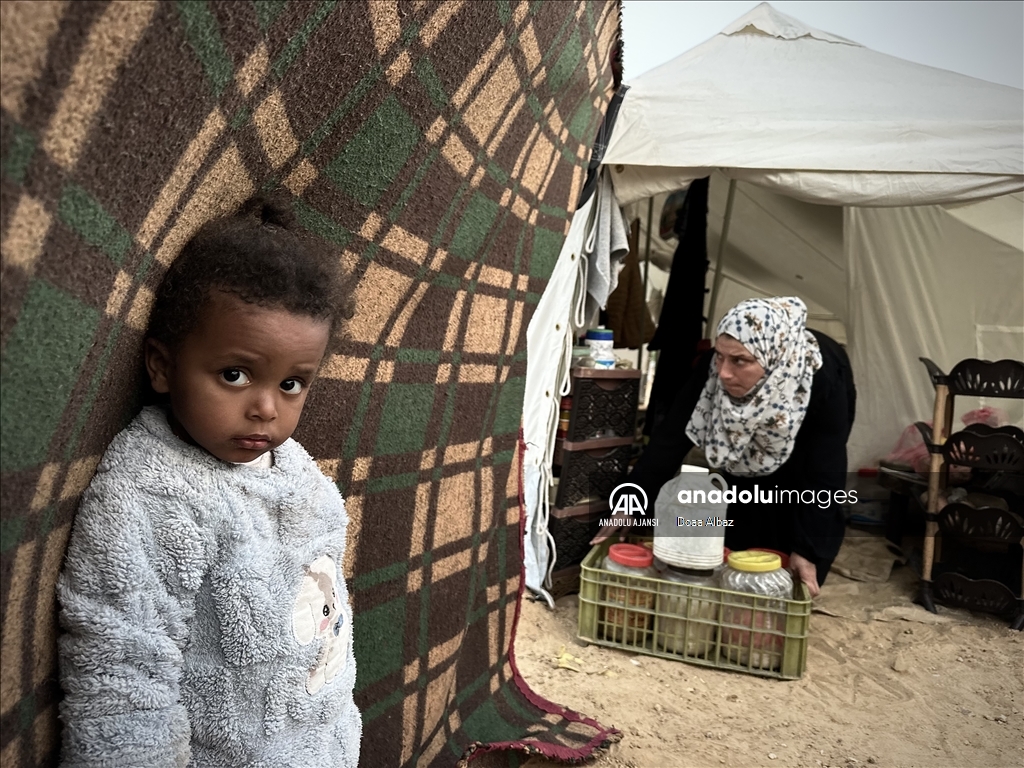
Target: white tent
[819,142]
[817,117]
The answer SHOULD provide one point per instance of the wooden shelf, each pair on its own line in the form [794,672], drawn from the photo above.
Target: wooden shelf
[605,373]
[981,447]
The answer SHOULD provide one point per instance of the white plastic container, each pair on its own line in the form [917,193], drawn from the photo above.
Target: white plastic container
[601,341]
[683,537]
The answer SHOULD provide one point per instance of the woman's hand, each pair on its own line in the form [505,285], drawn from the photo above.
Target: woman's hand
[806,571]
[607,532]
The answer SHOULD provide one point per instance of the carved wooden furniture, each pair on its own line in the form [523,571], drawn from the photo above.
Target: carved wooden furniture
[996,457]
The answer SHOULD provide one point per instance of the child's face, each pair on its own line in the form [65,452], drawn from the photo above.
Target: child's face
[238,381]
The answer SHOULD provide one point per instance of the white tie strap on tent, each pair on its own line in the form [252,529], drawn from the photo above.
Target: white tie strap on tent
[792,120]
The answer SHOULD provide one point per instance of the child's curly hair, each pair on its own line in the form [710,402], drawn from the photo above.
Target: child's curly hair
[259,255]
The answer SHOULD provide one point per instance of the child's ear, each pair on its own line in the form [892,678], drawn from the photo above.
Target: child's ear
[158,365]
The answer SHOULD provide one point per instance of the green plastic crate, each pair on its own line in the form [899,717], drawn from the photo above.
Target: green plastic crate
[699,625]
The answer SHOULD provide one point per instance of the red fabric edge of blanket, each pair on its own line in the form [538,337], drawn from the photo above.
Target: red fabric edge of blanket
[605,736]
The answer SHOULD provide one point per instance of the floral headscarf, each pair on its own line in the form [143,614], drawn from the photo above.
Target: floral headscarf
[755,434]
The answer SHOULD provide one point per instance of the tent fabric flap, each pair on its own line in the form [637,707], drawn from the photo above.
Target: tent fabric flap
[931,302]
[549,340]
[865,189]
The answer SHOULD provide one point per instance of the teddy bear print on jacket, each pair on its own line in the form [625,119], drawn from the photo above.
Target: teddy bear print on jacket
[318,614]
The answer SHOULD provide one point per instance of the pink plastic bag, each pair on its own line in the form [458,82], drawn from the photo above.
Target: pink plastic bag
[910,448]
[993,417]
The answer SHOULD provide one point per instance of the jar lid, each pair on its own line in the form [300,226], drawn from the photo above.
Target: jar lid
[631,555]
[782,555]
[600,334]
[755,562]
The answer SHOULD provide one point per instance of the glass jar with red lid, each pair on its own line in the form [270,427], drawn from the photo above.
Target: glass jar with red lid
[630,596]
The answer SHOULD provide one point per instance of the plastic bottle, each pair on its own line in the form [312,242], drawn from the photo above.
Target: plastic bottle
[687,535]
[601,341]
[755,573]
[623,621]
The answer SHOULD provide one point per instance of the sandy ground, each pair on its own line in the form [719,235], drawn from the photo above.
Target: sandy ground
[887,684]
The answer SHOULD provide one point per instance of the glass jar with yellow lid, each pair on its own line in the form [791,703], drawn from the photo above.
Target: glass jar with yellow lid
[761,575]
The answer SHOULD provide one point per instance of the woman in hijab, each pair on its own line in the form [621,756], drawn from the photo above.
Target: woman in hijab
[772,404]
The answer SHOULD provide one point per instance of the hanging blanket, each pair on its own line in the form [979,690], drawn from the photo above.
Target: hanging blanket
[440,148]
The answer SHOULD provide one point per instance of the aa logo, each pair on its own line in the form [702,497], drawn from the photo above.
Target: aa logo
[628,498]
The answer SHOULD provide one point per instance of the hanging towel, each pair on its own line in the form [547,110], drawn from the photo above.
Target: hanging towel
[606,249]
[628,314]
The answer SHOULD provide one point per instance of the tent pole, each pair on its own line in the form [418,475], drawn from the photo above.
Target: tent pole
[647,266]
[721,252]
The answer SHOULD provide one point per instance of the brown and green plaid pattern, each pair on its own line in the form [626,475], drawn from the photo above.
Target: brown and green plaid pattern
[440,147]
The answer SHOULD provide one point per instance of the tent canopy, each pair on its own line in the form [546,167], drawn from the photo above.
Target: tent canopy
[816,117]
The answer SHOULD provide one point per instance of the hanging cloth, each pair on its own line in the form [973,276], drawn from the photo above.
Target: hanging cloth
[628,315]
[680,327]
[605,249]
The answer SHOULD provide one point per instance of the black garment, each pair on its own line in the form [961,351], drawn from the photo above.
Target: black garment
[681,325]
[818,462]
[604,132]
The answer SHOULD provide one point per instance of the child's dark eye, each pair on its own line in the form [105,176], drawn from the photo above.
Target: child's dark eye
[234,377]
[291,386]
[327,611]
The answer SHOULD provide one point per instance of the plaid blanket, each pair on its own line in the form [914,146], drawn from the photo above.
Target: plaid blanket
[440,147]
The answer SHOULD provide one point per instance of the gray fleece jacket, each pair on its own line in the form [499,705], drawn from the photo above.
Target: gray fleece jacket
[205,615]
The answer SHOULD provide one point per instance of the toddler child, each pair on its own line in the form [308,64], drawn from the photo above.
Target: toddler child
[206,620]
